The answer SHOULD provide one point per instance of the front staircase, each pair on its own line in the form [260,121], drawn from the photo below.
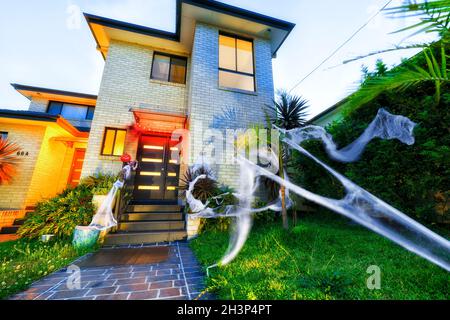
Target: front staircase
[143,224]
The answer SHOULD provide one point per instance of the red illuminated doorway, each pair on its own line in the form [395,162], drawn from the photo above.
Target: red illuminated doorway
[77,166]
[157,177]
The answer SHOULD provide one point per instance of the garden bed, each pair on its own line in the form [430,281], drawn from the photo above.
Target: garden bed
[324,257]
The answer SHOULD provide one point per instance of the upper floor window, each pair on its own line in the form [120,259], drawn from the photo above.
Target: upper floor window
[169,68]
[3,135]
[236,63]
[71,111]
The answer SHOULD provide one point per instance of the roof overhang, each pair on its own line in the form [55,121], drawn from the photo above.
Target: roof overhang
[188,13]
[149,121]
[55,95]
[42,119]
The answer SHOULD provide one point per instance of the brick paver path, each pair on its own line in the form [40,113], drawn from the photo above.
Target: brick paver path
[178,278]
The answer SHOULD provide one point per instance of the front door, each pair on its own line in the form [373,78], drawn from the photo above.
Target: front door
[158,173]
[77,165]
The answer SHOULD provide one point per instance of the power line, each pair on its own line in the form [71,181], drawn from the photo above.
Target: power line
[341,46]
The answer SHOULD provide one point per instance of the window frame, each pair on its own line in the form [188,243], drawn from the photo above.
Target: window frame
[114,143]
[236,38]
[73,104]
[170,56]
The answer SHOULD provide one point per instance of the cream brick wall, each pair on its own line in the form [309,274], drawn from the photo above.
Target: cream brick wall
[208,100]
[29,138]
[126,84]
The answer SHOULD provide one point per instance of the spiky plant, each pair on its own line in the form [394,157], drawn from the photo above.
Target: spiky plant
[8,160]
[289,112]
[205,188]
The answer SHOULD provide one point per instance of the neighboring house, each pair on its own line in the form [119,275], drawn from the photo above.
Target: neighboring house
[154,82]
[329,115]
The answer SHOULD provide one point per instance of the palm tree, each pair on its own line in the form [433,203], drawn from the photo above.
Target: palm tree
[8,160]
[434,17]
[289,112]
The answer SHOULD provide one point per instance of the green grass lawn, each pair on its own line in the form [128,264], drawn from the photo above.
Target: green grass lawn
[24,261]
[321,258]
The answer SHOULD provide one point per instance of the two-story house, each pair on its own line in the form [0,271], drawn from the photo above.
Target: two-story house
[154,83]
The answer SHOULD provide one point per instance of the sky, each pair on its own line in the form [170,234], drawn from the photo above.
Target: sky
[47,43]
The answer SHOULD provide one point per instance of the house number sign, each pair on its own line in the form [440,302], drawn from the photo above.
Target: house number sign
[22,154]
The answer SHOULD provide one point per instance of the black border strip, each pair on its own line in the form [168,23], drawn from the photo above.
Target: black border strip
[28,115]
[20,87]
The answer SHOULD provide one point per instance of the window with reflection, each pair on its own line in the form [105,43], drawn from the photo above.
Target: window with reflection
[114,142]
[169,68]
[71,111]
[236,63]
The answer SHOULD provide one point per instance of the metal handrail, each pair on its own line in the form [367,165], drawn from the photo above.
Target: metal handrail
[123,198]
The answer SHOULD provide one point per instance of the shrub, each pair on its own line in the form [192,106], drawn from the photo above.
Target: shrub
[73,207]
[410,178]
[60,215]
[100,183]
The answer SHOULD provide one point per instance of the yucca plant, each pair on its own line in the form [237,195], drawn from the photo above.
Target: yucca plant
[206,188]
[8,160]
[289,112]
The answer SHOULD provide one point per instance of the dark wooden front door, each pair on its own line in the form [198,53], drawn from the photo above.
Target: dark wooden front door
[77,166]
[159,166]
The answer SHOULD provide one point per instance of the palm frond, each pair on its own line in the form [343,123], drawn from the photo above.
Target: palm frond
[402,78]
[395,48]
[434,16]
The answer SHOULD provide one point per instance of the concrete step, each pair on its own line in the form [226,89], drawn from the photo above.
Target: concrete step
[153,216]
[19,222]
[151,226]
[124,238]
[9,230]
[153,208]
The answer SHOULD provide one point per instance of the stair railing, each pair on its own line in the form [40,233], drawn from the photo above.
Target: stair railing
[123,198]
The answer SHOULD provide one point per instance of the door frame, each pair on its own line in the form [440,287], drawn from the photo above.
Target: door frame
[165,164]
[72,165]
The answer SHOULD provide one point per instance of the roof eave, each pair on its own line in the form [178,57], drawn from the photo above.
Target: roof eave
[176,36]
[21,87]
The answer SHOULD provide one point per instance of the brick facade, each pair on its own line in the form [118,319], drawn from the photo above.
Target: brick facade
[127,84]
[207,99]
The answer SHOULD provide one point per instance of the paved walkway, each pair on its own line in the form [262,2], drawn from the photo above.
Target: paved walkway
[178,278]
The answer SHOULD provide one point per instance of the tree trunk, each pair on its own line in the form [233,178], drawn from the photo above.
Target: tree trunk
[283,208]
[283,195]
